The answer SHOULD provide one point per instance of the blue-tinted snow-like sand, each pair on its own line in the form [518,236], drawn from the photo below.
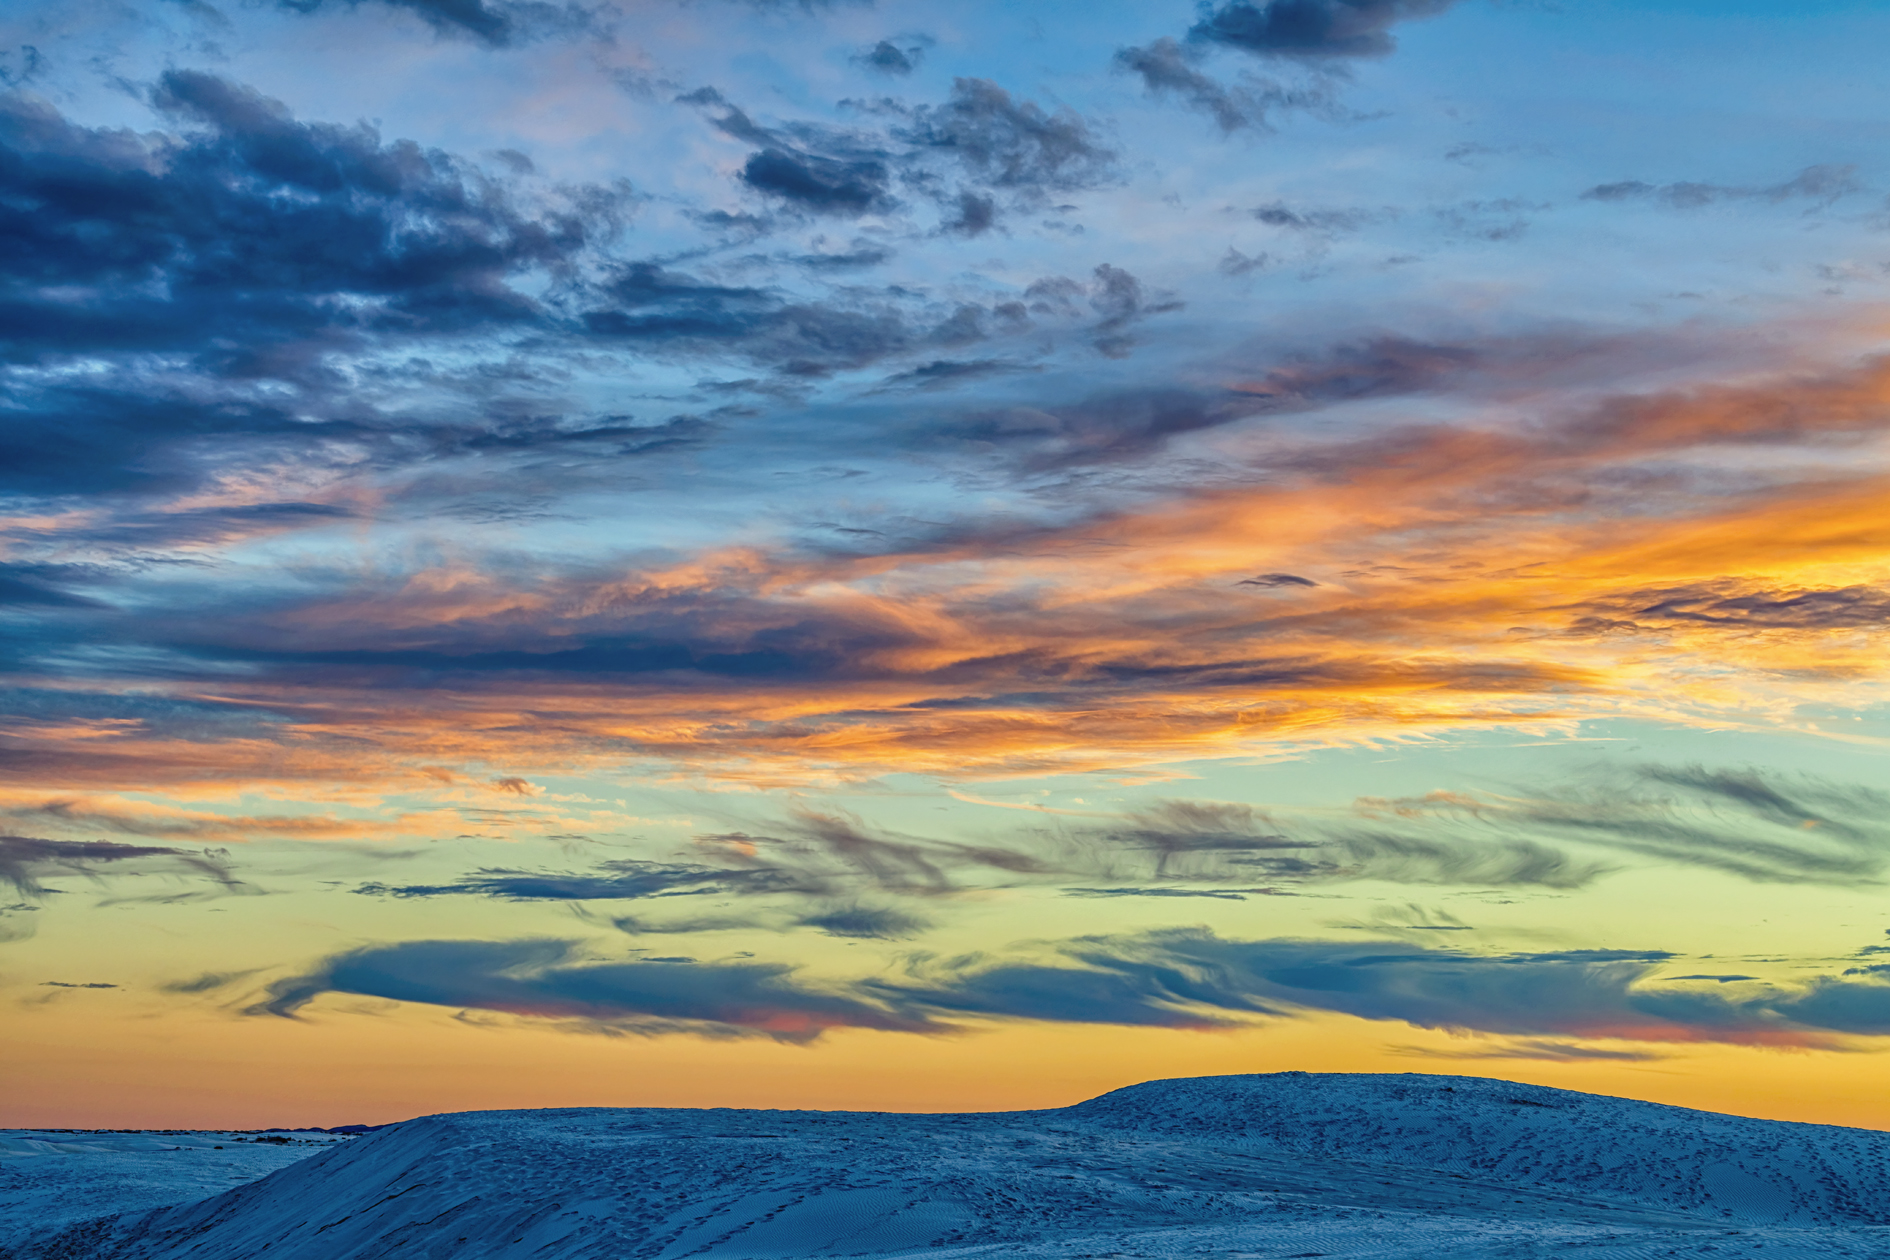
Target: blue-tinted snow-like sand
[1250,1166]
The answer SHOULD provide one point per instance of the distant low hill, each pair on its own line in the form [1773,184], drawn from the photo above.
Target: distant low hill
[1291,1164]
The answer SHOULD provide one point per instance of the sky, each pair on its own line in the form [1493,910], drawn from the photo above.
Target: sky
[927,557]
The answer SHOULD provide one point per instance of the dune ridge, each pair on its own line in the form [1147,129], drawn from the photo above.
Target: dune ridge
[1288,1164]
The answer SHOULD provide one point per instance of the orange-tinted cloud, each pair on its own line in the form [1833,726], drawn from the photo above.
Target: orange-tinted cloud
[1714,557]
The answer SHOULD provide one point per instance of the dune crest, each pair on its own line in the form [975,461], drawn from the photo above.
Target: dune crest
[1272,1165]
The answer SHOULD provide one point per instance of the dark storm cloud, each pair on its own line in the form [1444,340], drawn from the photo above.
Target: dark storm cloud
[1820,185]
[550,979]
[1768,828]
[1311,29]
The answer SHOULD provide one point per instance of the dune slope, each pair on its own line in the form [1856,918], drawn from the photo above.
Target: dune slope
[1281,1165]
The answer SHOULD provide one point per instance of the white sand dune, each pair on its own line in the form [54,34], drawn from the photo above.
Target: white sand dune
[1252,1166]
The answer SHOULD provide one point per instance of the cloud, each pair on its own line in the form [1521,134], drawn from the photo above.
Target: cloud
[1170,829]
[1735,606]
[1008,144]
[1193,978]
[979,144]
[1190,977]
[844,921]
[26,860]
[831,872]
[1535,1049]
[1551,1002]
[943,373]
[818,184]
[1760,826]
[119,816]
[642,305]
[1820,185]
[1682,591]
[1216,894]
[1497,220]
[866,923]
[1311,29]
[890,59]
[626,879]
[974,214]
[826,855]
[1170,68]
[1104,428]
[1222,843]
[206,982]
[255,249]
[1235,263]
[496,23]
[550,979]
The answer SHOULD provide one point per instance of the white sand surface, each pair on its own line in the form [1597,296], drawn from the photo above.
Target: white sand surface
[1287,1165]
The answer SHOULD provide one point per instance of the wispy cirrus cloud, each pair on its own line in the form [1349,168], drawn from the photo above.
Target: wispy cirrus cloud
[1182,978]
[27,861]
[1821,185]
[1769,828]
[553,980]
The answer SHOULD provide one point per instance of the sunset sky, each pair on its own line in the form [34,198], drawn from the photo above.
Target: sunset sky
[922,556]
